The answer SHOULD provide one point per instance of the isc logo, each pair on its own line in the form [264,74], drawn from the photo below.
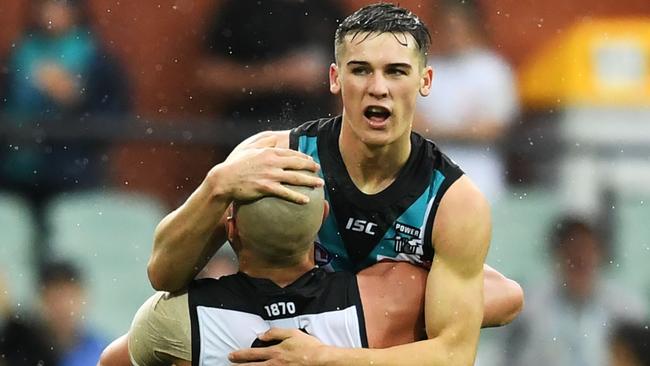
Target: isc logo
[361,226]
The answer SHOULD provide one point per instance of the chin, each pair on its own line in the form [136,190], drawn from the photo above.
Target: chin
[377,138]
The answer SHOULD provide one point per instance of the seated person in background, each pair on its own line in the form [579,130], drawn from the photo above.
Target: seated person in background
[22,342]
[264,59]
[57,73]
[630,344]
[278,286]
[56,334]
[473,97]
[576,300]
[63,301]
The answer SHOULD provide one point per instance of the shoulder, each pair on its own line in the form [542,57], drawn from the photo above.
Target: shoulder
[622,302]
[313,128]
[463,224]
[210,283]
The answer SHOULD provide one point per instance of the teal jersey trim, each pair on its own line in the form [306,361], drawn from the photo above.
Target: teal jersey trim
[405,240]
[330,251]
[309,145]
[395,224]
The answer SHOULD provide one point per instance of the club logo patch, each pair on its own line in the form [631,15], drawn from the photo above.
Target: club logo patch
[321,255]
[407,239]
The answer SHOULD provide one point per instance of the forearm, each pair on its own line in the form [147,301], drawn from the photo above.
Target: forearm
[430,352]
[503,299]
[186,239]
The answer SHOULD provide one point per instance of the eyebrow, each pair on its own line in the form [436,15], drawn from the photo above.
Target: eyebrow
[364,63]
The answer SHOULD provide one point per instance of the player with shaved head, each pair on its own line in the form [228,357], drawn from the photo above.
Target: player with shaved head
[278,285]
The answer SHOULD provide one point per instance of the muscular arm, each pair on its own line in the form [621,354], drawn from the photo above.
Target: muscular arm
[454,291]
[503,298]
[392,295]
[186,239]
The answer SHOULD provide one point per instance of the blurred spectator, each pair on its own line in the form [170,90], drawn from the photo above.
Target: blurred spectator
[473,97]
[5,302]
[57,73]
[568,320]
[22,342]
[630,345]
[267,61]
[222,263]
[63,300]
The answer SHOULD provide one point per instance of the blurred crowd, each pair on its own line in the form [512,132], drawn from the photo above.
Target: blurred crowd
[263,65]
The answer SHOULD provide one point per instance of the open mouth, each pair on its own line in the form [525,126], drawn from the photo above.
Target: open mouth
[376,113]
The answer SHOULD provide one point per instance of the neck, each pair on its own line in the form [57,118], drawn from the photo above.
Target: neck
[281,275]
[373,168]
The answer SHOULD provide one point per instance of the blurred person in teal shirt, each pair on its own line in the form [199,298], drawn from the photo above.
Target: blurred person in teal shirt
[58,72]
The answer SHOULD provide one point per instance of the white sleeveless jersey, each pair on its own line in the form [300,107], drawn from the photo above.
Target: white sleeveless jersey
[227,314]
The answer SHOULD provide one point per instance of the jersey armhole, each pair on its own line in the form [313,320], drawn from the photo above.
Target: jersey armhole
[429,252]
[294,135]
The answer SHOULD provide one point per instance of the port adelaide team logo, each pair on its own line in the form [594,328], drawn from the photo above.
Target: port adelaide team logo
[407,239]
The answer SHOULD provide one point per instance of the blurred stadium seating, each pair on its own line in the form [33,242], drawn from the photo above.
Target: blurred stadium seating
[521,220]
[109,234]
[631,263]
[16,250]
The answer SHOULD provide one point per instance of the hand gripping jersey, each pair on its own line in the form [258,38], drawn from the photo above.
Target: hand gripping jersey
[394,224]
[227,314]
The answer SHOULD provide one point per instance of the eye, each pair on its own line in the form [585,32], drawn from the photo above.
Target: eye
[360,70]
[396,71]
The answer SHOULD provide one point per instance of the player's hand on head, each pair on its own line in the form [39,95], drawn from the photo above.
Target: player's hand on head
[296,348]
[260,140]
[252,172]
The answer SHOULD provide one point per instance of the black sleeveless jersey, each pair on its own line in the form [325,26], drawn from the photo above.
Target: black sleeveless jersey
[227,314]
[394,224]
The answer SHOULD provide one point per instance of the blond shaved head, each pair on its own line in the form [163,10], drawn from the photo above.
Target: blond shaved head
[279,231]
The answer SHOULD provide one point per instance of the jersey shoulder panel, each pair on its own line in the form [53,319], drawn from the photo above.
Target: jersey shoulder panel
[310,129]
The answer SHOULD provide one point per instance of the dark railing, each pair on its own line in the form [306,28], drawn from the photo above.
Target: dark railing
[214,132]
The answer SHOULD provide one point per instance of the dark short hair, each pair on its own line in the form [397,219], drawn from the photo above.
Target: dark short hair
[384,18]
[636,336]
[59,271]
[566,228]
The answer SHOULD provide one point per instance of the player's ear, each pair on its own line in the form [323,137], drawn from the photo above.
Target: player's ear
[426,79]
[231,226]
[335,85]
[326,210]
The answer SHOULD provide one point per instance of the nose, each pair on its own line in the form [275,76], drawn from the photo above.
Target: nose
[378,87]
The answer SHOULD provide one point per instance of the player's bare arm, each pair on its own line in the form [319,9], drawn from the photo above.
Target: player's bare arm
[186,238]
[392,295]
[503,298]
[453,305]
